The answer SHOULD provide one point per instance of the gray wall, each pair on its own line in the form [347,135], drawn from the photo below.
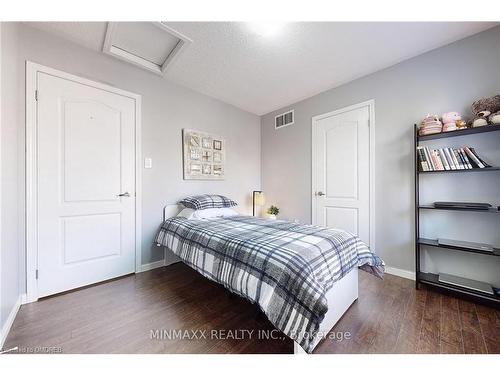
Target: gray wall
[446,79]
[166,109]
[1,309]
[11,215]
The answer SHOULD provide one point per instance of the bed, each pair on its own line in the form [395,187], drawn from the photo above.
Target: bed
[303,277]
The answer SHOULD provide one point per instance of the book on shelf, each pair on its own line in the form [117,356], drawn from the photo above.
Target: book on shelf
[443,159]
[422,158]
[449,158]
[466,244]
[465,158]
[428,158]
[438,165]
[455,160]
[459,159]
[477,156]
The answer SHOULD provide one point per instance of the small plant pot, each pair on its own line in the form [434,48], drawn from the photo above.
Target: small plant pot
[271,216]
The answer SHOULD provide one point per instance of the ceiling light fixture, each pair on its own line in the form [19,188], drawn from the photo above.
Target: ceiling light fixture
[266,29]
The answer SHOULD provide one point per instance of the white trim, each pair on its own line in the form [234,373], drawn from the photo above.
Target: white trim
[24,299]
[32,70]
[171,210]
[138,182]
[31,183]
[10,320]
[371,107]
[184,42]
[152,265]
[109,49]
[400,272]
[173,260]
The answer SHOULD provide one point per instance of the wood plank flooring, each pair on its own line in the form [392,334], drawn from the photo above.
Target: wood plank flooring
[119,316]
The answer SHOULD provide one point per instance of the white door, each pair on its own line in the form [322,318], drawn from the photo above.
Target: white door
[86,153]
[341,170]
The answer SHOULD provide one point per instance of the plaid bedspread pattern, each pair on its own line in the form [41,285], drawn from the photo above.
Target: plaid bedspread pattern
[201,202]
[285,268]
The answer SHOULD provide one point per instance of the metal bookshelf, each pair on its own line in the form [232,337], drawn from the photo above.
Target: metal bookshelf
[431,279]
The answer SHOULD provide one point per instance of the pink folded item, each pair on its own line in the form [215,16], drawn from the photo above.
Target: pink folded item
[430,125]
[449,127]
[429,131]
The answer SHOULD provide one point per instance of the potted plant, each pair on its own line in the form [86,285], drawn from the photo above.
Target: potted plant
[272,212]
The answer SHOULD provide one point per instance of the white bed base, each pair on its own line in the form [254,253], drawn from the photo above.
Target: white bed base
[340,297]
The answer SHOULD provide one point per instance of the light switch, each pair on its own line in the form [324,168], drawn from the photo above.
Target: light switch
[148,163]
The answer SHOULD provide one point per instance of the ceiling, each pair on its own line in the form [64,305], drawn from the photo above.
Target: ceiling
[257,73]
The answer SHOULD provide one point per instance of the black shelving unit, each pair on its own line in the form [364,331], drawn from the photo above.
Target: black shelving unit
[435,243]
[488,211]
[431,279]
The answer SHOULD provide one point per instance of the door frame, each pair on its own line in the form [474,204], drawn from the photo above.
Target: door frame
[371,108]
[32,70]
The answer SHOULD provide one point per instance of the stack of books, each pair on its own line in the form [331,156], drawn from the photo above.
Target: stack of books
[445,159]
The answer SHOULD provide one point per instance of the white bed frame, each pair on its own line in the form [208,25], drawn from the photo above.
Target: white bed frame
[340,297]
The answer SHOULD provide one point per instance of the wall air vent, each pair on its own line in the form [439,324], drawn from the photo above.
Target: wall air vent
[284,119]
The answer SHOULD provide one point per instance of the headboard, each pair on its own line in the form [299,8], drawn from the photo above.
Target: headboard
[171,210]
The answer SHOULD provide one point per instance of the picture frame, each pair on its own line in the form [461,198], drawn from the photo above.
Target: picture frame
[204,155]
[217,145]
[217,157]
[206,142]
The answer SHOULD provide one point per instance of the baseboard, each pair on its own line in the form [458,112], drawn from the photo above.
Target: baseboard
[24,299]
[399,272]
[10,320]
[152,266]
[170,261]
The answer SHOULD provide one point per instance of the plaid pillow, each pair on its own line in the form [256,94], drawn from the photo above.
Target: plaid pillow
[201,202]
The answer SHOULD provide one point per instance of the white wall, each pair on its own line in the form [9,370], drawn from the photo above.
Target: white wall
[166,110]
[446,79]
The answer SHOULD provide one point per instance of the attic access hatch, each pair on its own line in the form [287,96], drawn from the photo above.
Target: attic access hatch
[149,45]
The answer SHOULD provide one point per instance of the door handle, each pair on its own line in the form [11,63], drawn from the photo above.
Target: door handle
[126,194]
[320,193]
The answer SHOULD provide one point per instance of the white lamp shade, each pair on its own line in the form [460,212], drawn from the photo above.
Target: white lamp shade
[260,199]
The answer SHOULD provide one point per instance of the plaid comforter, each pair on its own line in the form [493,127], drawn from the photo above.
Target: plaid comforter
[285,268]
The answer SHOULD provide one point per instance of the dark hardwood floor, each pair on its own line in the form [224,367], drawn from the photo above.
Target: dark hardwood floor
[390,316]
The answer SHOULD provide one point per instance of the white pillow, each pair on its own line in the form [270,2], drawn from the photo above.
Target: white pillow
[207,213]
[187,213]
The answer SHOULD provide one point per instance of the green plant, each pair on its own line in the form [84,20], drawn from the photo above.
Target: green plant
[273,210]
